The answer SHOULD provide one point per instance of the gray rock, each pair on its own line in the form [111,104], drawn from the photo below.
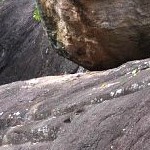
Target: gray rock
[25,52]
[85,111]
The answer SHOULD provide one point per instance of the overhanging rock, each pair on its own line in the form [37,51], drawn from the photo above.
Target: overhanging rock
[98,34]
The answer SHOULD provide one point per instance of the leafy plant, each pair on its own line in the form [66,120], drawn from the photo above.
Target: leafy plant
[36,14]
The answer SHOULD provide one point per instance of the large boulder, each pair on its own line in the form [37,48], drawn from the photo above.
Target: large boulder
[25,51]
[90,111]
[98,34]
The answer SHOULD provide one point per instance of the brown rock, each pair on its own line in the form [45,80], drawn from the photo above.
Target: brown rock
[98,34]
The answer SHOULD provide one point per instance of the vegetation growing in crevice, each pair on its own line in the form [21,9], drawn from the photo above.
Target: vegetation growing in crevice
[36,14]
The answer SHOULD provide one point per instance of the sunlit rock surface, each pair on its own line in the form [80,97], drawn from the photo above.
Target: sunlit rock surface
[25,52]
[98,34]
[85,111]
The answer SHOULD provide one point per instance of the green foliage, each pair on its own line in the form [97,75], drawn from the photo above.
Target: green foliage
[36,14]
[134,72]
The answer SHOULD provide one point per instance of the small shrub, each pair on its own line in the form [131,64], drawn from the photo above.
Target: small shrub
[36,14]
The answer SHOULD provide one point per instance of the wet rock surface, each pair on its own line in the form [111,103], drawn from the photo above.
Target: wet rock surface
[25,52]
[85,111]
[98,34]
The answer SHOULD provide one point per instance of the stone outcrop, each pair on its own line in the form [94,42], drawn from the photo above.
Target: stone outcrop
[98,34]
[107,110]
[24,47]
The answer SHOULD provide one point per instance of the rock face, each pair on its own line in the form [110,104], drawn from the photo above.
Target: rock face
[24,48]
[98,34]
[92,111]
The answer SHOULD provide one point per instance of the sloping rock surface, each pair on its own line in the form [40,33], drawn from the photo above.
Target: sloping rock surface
[98,34]
[24,48]
[89,111]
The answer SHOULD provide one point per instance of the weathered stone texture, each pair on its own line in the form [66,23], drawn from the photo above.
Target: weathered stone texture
[25,51]
[90,111]
[98,34]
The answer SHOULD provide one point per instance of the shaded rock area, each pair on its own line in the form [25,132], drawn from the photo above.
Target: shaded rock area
[98,34]
[85,111]
[24,48]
